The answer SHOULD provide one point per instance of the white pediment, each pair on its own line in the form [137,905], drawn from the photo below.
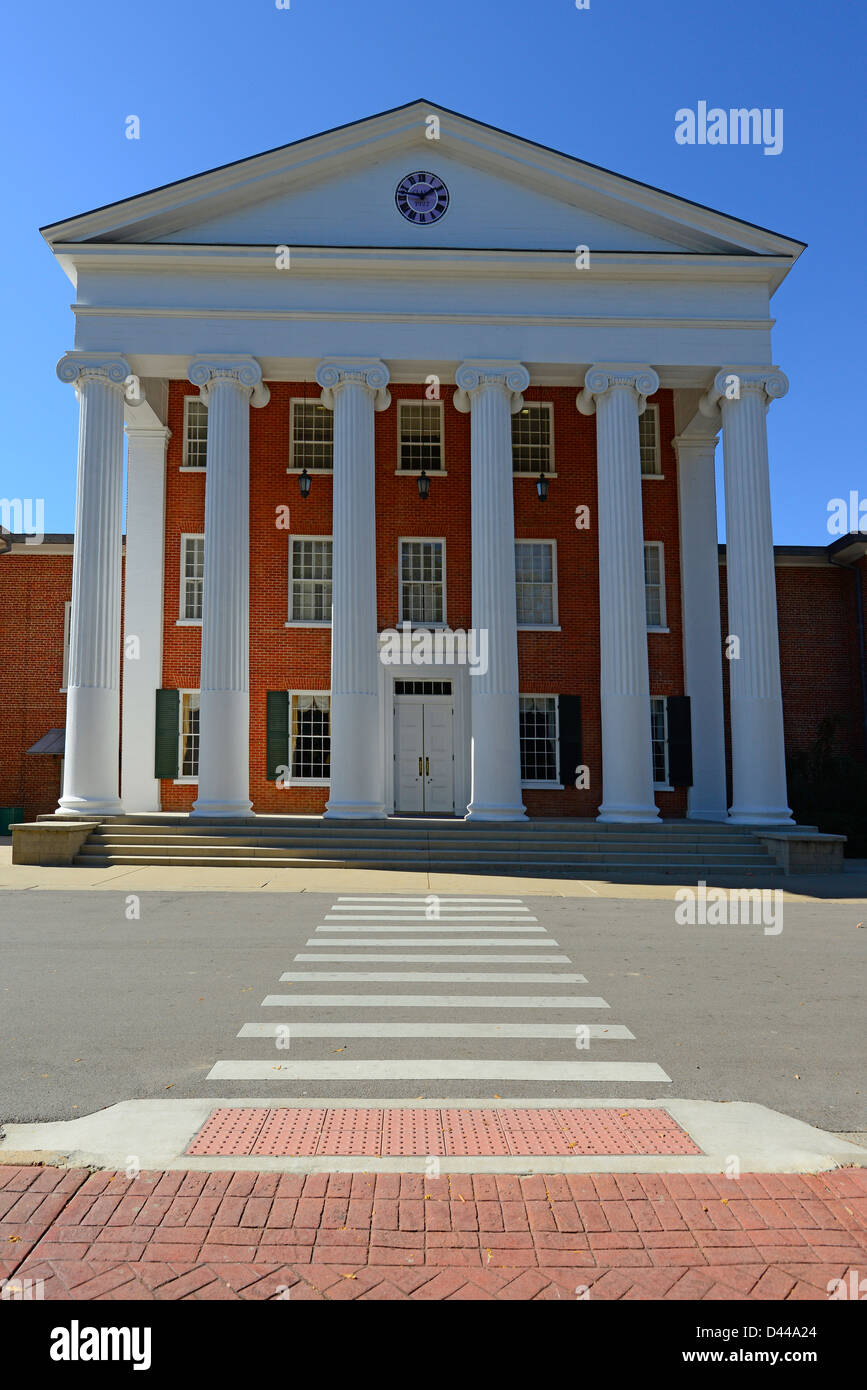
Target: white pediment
[337,189]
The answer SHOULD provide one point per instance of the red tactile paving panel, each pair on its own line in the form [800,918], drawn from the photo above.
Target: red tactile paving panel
[353,1132]
[412,1133]
[291,1133]
[632,1131]
[228,1132]
[537,1132]
[472,1133]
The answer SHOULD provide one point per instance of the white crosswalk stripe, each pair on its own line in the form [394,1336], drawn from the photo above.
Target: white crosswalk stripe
[434,931]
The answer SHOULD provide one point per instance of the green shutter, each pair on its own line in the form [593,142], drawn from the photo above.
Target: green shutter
[276,732]
[570,738]
[167,729]
[679,741]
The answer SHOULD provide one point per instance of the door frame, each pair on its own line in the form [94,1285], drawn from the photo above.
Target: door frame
[460,679]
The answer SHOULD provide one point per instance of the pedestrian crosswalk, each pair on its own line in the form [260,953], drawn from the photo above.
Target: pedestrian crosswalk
[462,1025]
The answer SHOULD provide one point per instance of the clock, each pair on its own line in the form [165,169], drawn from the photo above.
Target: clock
[421,198]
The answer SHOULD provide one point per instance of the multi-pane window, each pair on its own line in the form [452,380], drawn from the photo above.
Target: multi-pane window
[188,734]
[67,618]
[532,450]
[192,577]
[659,740]
[195,432]
[648,438]
[420,436]
[310,737]
[534,583]
[310,579]
[312,437]
[654,584]
[422,582]
[537,722]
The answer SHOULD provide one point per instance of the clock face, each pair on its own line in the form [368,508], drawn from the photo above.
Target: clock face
[421,198]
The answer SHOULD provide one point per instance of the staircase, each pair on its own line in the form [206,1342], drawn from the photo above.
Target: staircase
[681,850]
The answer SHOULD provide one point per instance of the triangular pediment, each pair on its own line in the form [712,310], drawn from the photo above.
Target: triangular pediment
[338,189]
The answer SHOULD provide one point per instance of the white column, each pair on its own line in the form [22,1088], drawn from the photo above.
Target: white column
[354,389]
[617,394]
[758,748]
[228,385]
[90,769]
[491,392]
[702,652]
[143,612]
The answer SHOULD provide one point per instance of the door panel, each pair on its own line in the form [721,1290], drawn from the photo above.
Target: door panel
[439,765]
[408,755]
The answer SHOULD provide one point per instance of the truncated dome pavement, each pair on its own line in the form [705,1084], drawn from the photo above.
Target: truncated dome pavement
[305,1132]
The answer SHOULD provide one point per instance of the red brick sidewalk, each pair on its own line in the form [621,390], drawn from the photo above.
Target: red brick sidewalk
[397,1236]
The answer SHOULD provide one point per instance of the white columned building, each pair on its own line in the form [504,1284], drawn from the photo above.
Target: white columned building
[617,395]
[354,390]
[90,775]
[758,747]
[702,651]
[228,385]
[491,392]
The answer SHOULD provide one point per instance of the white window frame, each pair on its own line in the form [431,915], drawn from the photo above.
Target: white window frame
[663,611]
[551,784]
[307,781]
[654,415]
[661,700]
[554,625]
[185,466]
[181,780]
[421,540]
[67,621]
[415,472]
[313,472]
[182,620]
[552,448]
[306,622]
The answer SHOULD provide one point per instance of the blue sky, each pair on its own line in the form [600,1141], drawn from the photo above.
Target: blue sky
[215,80]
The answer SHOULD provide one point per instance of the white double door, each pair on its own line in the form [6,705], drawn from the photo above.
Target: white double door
[424,764]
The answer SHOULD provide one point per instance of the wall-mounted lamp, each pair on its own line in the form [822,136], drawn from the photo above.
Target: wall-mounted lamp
[304,483]
[423,485]
[542,487]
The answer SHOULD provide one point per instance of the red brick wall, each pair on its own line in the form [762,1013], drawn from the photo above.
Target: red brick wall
[550,663]
[33,590]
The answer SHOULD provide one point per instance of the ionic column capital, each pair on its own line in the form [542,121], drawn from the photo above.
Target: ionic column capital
[335,373]
[110,369]
[243,373]
[605,376]
[732,383]
[474,376]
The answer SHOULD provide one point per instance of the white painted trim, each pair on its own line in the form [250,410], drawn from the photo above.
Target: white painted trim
[190,467]
[414,472]
[553,626]
[301,622]
[307,781]
[654,408]
[312,472]
[552,453]
[421,626]
[184,621]
[548,783]
[180,780]
[663,700]
[460,679]
[663,612]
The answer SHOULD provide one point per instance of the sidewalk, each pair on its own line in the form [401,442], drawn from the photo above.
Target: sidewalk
[339,1236]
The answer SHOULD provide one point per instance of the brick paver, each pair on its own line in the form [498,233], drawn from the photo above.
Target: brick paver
[365,1236]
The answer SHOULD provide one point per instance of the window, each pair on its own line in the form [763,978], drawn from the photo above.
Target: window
[420,436]
[422,687]
[67,614]
[648,439]
[654,584]
[188,736]
[422,582]
[195,432]
[310,579]
[532,440]
[537,722]
[192,578]
[659,740]
[535,585]
[311,443]
[310,737]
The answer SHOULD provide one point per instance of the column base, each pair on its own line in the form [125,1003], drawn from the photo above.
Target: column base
[710,815]
[225,810]
[629,815]
[477,812]
[81,806]
[743,815]
[354,810]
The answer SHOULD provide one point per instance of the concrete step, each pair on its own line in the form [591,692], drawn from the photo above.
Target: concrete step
[362,844]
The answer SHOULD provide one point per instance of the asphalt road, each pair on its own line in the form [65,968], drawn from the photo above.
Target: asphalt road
[96,1008]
